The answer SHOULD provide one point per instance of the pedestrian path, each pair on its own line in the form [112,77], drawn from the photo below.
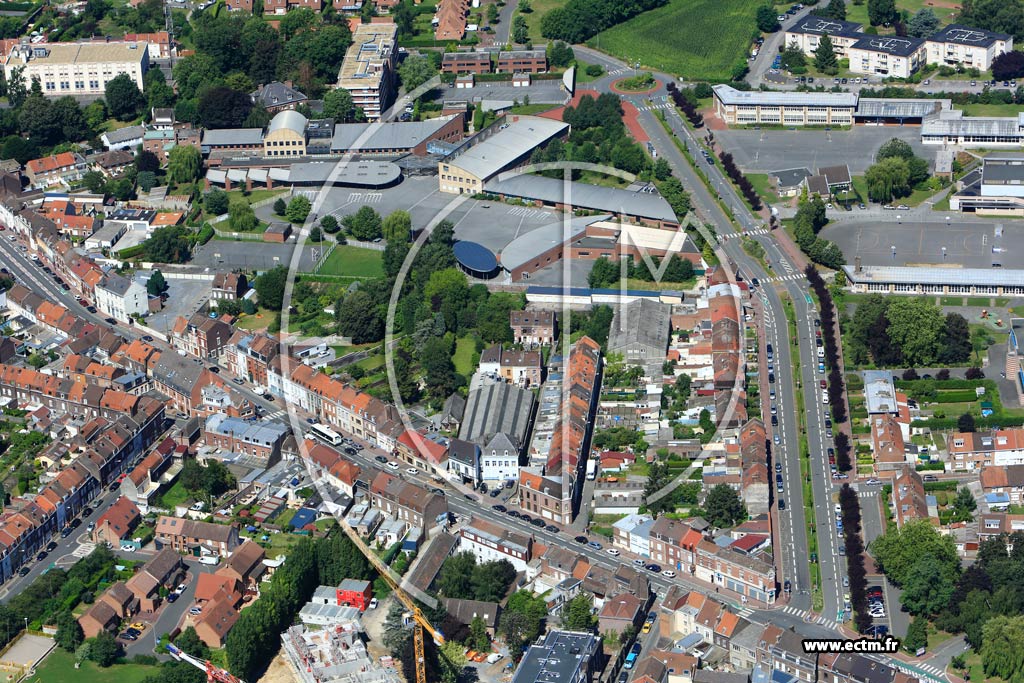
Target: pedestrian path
[652,107]
[792,277]
[747,233]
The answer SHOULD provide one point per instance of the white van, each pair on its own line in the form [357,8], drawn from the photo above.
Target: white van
[211,560]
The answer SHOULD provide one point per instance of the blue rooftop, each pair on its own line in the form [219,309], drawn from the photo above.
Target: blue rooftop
[476,257]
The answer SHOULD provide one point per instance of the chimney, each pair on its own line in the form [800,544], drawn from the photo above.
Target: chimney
[856,264]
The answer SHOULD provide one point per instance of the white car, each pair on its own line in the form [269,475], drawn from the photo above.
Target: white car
[195,610]
[127,548]
[412,471]
[392,465]
[614,552]
[824,399]
[373,603]
[668,573]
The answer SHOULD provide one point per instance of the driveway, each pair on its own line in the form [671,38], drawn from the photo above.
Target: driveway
[170,614]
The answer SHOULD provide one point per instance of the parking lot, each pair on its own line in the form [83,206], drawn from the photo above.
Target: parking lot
[967,244]
[184,297]
[764,151]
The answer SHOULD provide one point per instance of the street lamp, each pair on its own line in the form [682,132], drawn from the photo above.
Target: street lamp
[899,220]
[893,247]
[943,254]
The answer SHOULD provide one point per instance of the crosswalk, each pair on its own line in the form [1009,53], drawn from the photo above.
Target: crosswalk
[652,107]
[804,615]
[276,414]
[745,233]
[83,550]
[933,670]
[868,493]
[616,72]
[791,277]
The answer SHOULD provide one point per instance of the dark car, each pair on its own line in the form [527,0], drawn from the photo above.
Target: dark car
[41,556]
[172,597]
[771,377]
[75,523]
[147,338]
[498,508]
[378,458]
[495,493]
[114,486]
[623,676]
[778,467]
[24,571]
[512,513]
[439,492]
[537,522]
[470,497]
[526,518]
[65,532]
[637,647]
[653,568]
[128,636]
[787,586]
[51,546]
[580,539]
[91,309]
[782,504]
[552,528]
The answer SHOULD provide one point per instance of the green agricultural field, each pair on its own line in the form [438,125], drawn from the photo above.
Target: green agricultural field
[694,39]
[354,262]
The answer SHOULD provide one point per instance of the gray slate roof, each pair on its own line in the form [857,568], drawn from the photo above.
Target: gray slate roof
[116,137]
[646,323]
[384,136]
[584,196]
[495,408]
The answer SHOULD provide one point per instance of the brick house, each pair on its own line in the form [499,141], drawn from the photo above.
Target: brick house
[117,523]
[245,566]
[189,536]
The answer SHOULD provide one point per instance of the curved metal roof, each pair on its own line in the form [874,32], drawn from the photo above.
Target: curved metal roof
[292,120]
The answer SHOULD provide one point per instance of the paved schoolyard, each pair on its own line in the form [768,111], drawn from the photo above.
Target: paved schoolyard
[969,245]
[184,297]
[764,151]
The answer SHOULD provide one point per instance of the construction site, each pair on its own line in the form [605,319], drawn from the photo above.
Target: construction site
[333,654]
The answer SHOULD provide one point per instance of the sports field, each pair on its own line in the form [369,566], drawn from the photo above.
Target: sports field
[355,262]
[693,39]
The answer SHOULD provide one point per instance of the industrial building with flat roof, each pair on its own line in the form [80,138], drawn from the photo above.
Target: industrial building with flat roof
[931,280]
[369,67]
[505,144]
[560,657]
[754,107]
[997,189]
[308,173]
[394,138]
[78,68]
[953,128]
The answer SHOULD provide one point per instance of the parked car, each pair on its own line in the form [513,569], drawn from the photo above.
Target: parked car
[594,544]
[580,539]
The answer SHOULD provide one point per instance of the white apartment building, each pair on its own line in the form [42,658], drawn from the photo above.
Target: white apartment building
[499,459]
[489,543]
[369,67]
[755,107]
[121,298]
[886,56]
[958,45]
[806,34]
[77,68]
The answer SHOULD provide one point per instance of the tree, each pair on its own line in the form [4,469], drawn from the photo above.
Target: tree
[365,224]
[894,147]
[923,24]
[882,12]
[68,117]
[974,373]
[146,161]
[723,507]
[1001,653]
[69,634]
[358,318]
[603,273]
[224,107]
[439,372]
[917,634]
[103,649]
[520,31]
[16,89]
[168,245]
[156,285]
[577,615]
[559,54]
[964,505]
[146,180]
[657,478]
[123,97]
[241,217]
[397,226]
[415,71]
[216,202]
[916,326]
[522,620]
[955,346]
[94,181]
[455,579]
[184,162]
[298,209]
[188,641]
[1008,66]
[270,287]
[887,179]
[329,224]
[836,9]
[897,551]
[280,207]
[478,638]
[793,58]
[928,586]
[825,59]
[767,19]
[338,105]
[965,423]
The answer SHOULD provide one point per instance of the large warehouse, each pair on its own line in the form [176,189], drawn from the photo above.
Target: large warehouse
[504,145]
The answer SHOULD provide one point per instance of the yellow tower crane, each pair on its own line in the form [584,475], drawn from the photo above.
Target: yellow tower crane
[421,622]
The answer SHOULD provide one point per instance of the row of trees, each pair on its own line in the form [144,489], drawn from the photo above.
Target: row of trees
[849,510]
[907,331]
[827,318]
[809,220]
[744,185]
[461,577]
[606,273]
[680,99]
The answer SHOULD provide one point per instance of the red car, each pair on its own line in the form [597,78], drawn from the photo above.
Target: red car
[824,384]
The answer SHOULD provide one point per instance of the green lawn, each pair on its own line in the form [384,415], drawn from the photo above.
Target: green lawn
[533,18]
[581,73]
[694,39]
[763,186]
[254,196]
[529,109]
[257,321]
[463,357]
[371,363]
[60,666]
[176,495]
[354,262]
[990,109]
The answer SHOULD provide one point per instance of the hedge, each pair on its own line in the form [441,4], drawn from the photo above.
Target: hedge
[940,486]
[955,397]
[132,252]
[946,423]
[926,385]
